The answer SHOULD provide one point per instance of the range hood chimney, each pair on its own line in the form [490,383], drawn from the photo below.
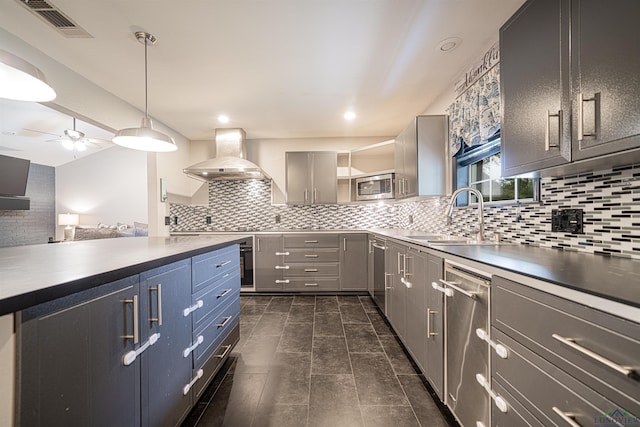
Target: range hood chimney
[228,160]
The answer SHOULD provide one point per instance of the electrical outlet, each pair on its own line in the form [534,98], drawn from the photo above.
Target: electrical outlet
[410,219]
[567,220]
[175,220]
[167,220]
[208,219]
[277,219]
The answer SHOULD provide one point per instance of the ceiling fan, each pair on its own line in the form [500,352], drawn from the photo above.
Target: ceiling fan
[73,139]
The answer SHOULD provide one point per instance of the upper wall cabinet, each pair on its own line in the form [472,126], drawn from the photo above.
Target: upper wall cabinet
[311,177]
[420,158]
[567,85]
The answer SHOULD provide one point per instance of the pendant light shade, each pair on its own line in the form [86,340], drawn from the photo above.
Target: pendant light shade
[22,81]
[145,138]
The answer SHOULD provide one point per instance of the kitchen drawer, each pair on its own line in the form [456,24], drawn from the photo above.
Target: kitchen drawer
[516,415]
[310,241]
[211,366]
[219,325]
[312,270]
[212,265]
[312,284]
[312,255]
[213,297]
[539,321]
[543,388]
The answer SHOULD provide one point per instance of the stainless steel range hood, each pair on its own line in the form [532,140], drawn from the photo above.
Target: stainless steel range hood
[229,159]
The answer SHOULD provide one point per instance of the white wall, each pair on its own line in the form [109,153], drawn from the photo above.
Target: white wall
[109,186]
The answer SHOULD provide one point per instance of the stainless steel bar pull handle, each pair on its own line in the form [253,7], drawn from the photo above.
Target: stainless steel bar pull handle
[158,319]
[310,255]
[429,332]
[547,137]
[282,267]
[627,371]
[386,285]
[223,264]
[282,253]
[224,293]
[134,301]
[306,192]
[311,241]
[311,284]
[224,322]
[315,195]
[596,119]
[283,281]
[227,349]
[375,245]
[310,270]
[344,244]
[566,417]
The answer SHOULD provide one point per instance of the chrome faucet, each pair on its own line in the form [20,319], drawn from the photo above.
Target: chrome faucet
[480,209]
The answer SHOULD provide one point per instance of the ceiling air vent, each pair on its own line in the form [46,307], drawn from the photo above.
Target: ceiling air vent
[55,17]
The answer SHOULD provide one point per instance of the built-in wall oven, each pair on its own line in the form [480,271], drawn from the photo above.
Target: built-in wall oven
[246,264]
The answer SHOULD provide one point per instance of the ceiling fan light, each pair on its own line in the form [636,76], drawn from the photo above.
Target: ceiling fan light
[145,138]
[67,143]
[22,81]
[80,145]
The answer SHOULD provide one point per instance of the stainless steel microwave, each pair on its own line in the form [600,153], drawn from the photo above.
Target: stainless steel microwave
[375,187]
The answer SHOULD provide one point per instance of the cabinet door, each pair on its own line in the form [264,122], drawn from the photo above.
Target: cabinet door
[267,276]
[396,293]
[605,68]
[399,165]
[434,370]
[410,153]
[297,173]
[325,178]
[534,83]
[165,293]
[416,306]
[353,262]
[370,265]
[71,350]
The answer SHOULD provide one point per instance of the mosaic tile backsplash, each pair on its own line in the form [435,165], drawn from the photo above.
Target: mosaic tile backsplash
[610,200]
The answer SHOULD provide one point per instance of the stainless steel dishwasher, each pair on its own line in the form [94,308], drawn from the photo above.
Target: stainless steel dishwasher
[466,355]
[379,274]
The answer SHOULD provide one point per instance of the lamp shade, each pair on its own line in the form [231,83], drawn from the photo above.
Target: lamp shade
[68,219]
[145,138]
[22,81]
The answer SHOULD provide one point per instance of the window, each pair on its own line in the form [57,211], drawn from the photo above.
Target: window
[479,167]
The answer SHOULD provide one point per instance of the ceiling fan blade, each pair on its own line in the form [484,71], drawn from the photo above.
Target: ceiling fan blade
[41,132]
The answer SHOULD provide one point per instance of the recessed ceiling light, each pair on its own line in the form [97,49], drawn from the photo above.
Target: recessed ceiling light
[349,115]
[223,119]
[447,45]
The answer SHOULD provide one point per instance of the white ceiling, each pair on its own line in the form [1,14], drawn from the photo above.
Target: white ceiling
[278,68]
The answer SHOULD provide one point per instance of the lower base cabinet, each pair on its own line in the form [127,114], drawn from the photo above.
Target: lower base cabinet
[125,353]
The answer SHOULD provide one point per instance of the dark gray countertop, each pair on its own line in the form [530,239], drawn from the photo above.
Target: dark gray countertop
[33,274]
[616,279]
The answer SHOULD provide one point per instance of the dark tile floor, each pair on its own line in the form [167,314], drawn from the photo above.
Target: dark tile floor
[316,361]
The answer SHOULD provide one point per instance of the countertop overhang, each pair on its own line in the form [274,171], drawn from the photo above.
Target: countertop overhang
[33,274]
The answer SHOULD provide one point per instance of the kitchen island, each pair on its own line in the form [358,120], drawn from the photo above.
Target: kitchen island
[93,312]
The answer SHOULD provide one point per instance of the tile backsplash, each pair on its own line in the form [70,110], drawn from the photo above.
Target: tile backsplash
[610,200]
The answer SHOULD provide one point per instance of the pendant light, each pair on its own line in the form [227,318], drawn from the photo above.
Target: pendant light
[145,138]
[22,81]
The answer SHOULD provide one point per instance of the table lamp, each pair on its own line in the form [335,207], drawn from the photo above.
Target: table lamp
[68,220]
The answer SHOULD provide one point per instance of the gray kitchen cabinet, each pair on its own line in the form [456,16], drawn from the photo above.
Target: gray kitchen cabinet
[415,337]
[311,177]
[269,262]
[70,354]
[353,262]
[396,289]
[434,369]
[311,262]
[605,91]
[165,294]
[580,101]
[420,159]
[563,359]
